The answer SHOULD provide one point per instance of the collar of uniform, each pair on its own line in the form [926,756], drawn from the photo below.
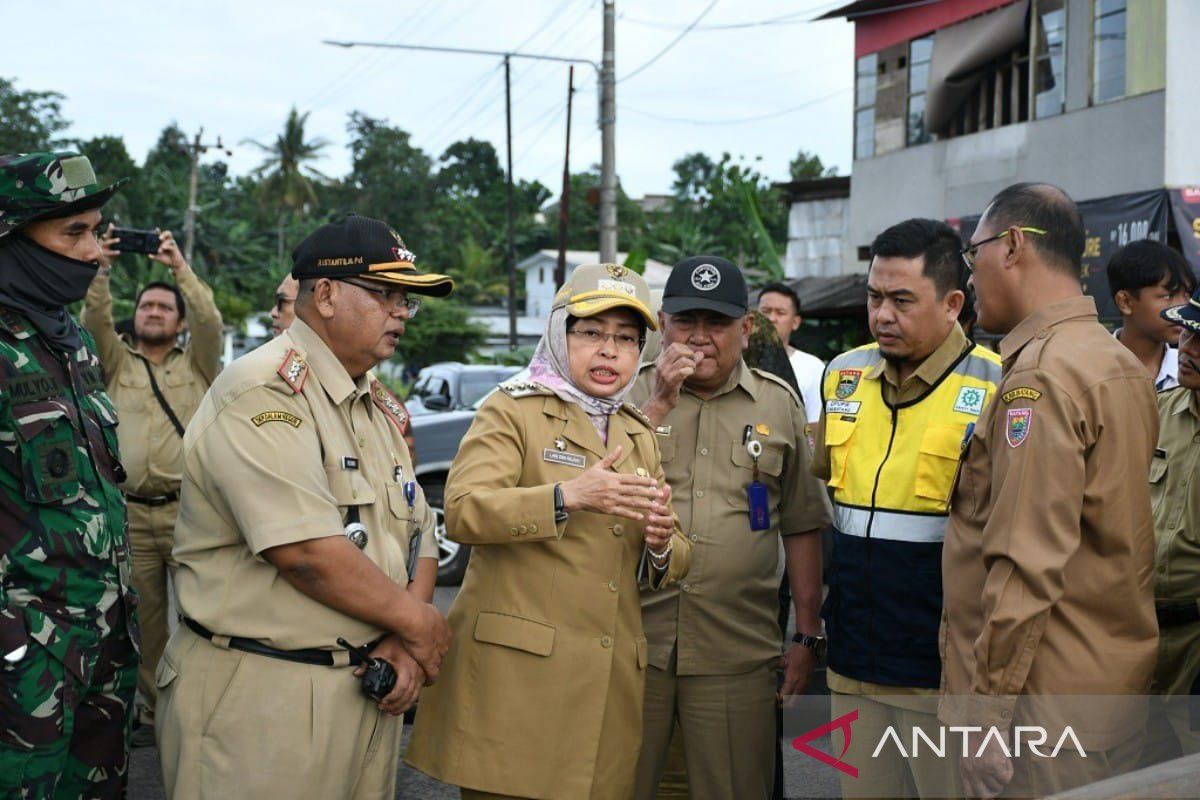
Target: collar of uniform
[324,366]
[1193,404]
[934,365]
[1043,318]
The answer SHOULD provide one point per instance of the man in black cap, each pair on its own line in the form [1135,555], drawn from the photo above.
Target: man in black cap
[734,452]
[301,523]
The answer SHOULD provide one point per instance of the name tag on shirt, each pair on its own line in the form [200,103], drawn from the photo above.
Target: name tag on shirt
[566,459]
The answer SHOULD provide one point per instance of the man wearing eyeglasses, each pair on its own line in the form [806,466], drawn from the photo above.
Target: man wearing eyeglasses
[284,310]
[301,523]
[1047,566]
[156,383]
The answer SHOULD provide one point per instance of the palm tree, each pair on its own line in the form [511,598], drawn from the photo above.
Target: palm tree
[288,179]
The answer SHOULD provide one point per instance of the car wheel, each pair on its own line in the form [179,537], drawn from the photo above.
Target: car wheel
[452,556]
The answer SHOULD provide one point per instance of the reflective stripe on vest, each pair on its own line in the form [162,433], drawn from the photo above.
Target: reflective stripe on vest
[889,524]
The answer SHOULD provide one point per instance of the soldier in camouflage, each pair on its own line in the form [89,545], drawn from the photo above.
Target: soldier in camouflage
[68,659]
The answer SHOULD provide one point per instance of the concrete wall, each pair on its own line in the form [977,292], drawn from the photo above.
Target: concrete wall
[1093,152]
[817,232]
[1181,151]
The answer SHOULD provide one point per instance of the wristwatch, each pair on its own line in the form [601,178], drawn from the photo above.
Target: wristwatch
[560,504]
[814,643]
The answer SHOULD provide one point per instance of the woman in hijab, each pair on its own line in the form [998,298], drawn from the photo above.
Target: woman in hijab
[559,490]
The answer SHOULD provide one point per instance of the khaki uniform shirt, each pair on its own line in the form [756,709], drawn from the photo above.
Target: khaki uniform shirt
[151,449]
[1175,496]
[282,447]
[722,619]
[1048,559]
[894,392]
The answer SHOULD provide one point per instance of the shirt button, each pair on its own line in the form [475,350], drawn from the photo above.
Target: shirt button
[524,529]
[685,586]
[362,441]
[354,494]
[513,531]
[612,586]
[703,451]
[694,538]
[606,641]
[699,493]
[617,529]
[533,528]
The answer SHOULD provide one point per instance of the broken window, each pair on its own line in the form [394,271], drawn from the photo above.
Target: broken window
[1050,36]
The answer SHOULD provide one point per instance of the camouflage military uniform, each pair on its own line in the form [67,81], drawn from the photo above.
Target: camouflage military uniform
[65,704]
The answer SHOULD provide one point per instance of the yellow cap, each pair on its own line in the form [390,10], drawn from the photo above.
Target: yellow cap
[594,288]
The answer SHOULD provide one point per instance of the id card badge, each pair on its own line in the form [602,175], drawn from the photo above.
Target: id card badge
[757,502]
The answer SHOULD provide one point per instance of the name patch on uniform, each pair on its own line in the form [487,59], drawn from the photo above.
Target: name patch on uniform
[30,388]
[566,459]
[275,416]
[970,400]
[1017,430]
[847,382]
[842,406]
[663,430]
[1022,392]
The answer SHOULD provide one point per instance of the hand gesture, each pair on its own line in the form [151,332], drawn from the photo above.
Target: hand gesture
[169,253]
[604,491]
[660,525]
[987,775]
[675,364]
[108,248]
[797,669]
[428,640]
[409,676]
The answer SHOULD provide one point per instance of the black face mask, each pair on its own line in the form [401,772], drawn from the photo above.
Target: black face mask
[40,283]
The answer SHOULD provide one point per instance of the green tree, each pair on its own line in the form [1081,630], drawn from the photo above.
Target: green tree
[287,176]
[444,331]
[806,166]
[29,120]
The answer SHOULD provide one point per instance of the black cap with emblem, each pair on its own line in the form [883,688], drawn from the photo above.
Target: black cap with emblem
[705,282]
[366,248]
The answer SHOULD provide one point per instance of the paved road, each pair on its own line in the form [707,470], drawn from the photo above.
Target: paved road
[803,776]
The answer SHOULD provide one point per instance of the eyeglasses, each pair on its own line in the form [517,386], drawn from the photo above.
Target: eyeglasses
[283,300]
[392,298]
[968,252]
[594,338]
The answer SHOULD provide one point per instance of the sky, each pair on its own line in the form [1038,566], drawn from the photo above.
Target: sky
[236,68]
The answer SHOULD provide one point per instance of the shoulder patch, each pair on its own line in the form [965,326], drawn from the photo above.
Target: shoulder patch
[390,405]
[777,380]
[293,370]
[1021,393]
[12,322]
[523,388]
[275,416]
[637,414]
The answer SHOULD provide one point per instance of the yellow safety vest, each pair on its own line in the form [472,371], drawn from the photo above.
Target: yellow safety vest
[892,467]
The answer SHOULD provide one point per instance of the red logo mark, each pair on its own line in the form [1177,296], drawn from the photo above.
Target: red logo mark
[1190,194]
[843,722]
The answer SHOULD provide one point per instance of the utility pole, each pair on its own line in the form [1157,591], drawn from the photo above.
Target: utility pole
[512,257]
[194,150]
[560,268]
[608,139]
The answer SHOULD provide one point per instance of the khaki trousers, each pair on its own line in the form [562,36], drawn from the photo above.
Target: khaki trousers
[237,725]
[728,727]
[1040,777]
[151,536]
[890,774]
[1169,733]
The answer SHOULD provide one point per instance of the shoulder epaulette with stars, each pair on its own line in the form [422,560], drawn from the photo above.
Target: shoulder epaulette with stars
[637,414]
[389,404]
[523,388]
[294,370]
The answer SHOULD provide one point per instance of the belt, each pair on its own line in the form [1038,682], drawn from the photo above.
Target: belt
[157,500]
[1172,614]
[312,655]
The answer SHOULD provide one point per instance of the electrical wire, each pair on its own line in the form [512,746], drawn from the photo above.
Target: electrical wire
[793,18]
[671,44]
[737,120]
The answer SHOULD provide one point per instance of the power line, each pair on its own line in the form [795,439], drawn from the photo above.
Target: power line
[671,44]
[794,18]
[737,120]
[555,14]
